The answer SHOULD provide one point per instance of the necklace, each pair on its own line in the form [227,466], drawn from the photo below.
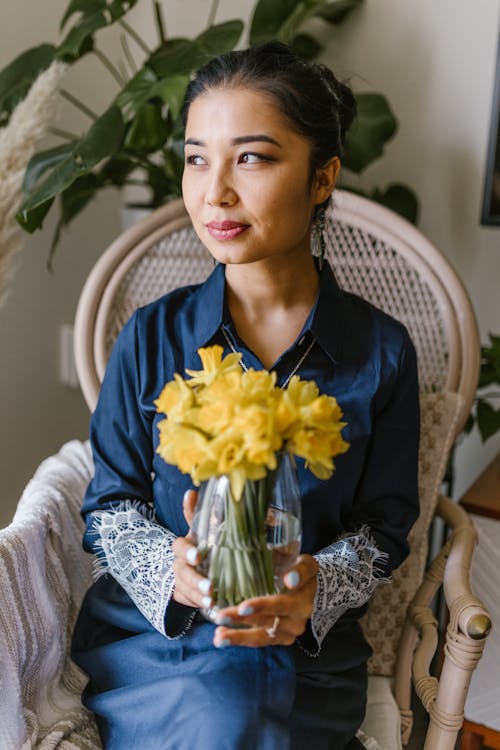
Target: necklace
[245,368]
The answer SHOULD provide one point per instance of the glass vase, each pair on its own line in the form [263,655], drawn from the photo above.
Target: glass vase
[248,545]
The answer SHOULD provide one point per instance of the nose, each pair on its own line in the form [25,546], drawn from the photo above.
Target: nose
[220,191]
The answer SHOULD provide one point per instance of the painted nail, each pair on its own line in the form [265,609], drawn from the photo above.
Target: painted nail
[245,610]
[206,602]
[292,579]
[224,620]
[204,585]
[222,644]
[192,555]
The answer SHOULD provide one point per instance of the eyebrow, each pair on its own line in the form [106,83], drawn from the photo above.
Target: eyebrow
[259,137]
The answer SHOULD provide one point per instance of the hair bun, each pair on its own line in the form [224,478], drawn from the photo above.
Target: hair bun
[345,103]
[347,107]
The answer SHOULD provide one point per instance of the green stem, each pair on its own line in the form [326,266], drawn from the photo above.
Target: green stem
[63,134]
[160,22]
[78,104]
[109,66]
[211,15]
[135,36]
[128,54]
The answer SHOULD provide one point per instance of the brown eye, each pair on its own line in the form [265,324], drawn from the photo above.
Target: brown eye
[195,160]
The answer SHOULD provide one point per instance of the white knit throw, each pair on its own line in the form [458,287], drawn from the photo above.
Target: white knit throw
[44,574]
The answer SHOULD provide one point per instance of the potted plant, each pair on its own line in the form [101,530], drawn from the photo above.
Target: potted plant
[484,413]
[138,138]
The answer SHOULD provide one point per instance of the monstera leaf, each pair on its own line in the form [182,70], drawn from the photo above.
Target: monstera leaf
[18,77]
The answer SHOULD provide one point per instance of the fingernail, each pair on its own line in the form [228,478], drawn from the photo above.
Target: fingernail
[292,579]
[185,496]
[206,602]
[224,620]
[204,585]
[192,555]
[222,644]
[245,610]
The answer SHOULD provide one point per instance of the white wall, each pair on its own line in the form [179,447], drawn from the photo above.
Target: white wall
[434,61]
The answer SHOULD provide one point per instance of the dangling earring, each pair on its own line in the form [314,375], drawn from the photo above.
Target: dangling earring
[318,245]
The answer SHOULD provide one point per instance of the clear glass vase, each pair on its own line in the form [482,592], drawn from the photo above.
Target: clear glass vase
[248,545]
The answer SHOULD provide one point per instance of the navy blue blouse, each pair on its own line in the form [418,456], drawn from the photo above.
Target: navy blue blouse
[360,355]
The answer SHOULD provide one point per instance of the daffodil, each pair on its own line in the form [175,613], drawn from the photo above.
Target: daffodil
[213,365]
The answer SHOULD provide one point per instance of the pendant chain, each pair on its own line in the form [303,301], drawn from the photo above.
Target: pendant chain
[245,368]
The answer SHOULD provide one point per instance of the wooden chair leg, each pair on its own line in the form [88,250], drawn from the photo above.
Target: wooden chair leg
[471,740]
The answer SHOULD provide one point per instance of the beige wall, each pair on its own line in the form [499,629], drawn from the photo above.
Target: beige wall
[435,62]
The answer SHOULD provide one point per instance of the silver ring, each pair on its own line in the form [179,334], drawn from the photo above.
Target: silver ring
[272,630]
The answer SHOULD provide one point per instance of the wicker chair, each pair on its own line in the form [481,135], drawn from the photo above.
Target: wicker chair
[384,259]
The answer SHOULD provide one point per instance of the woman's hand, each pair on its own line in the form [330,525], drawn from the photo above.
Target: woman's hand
[275,619]
[191,588]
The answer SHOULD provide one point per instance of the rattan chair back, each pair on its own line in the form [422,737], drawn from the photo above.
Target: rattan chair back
[374,253]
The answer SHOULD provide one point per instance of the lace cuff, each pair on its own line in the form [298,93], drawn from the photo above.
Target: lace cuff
[347,577]
[138,553]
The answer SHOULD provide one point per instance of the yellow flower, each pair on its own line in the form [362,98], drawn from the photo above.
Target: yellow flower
[212,418]
[225,421]
[181,445]
[213,365]
[174,394]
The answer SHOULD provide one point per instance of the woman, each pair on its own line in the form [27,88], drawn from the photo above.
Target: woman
[263,145]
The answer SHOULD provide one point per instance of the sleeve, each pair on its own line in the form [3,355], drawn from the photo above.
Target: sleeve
[385,505]
[121,527]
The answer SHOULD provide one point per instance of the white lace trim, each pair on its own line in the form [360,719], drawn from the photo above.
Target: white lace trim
[349,572]
[138,553]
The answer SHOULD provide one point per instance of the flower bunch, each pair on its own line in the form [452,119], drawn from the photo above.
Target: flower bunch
[226,421]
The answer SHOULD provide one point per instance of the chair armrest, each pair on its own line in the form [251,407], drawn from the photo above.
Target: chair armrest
[469,624]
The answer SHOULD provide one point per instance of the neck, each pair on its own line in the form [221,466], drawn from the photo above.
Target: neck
[266,286]
[270,301]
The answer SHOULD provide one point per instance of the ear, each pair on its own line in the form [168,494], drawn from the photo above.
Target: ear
[325,178]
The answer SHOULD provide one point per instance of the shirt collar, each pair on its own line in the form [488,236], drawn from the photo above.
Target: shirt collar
[210,306]
[326,321]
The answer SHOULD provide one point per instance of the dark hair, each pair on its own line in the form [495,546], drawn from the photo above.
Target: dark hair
[314,102]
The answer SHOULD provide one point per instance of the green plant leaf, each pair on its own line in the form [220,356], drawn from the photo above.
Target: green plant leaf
[35,218]
[136,93]
[17,78]
[490,362]
[281,20]
[400,199]
[336,13]
[73,200]
[116,170]
[172,90]
[373,126]
[86,7]
[95,15]
[104,138]
[469,425]
[306,46]
[43,161]
[268,18]
[488,419]
[176,56]
[220,38]
[148,131]
[145,86]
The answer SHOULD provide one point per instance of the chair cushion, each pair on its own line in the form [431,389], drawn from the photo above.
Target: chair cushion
[385,617]
[381,728]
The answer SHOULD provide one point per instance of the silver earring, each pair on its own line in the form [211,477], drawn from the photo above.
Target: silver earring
[318,245]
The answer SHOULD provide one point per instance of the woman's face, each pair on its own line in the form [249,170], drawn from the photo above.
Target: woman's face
[246,182]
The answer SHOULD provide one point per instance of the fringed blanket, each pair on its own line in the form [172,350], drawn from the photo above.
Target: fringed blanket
[43,577]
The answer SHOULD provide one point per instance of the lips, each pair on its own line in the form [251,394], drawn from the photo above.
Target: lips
[226,230]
